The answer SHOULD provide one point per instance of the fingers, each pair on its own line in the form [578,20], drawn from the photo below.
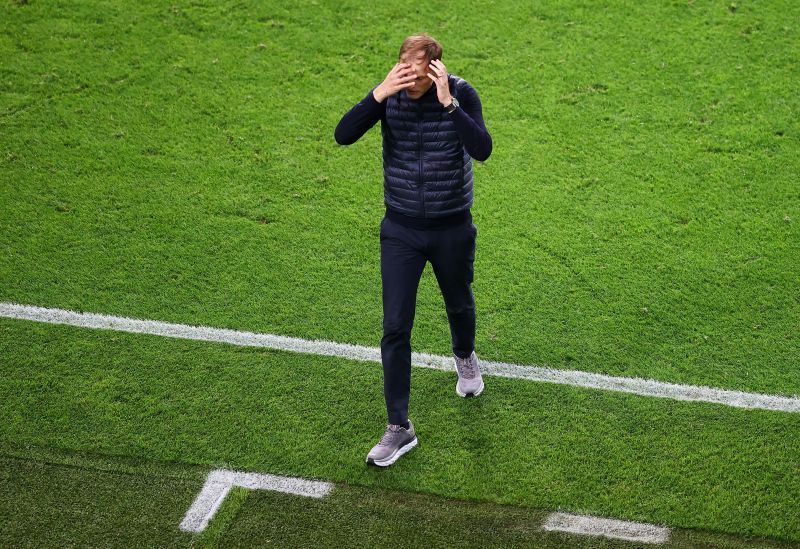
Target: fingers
[401,76]
[438,67]
[403,72]
[405,75]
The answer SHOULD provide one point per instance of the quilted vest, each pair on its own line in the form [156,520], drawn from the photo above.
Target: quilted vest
[427,172]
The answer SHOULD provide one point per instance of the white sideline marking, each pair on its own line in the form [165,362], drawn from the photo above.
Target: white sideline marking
[220,481]
[577,378]
[610,528]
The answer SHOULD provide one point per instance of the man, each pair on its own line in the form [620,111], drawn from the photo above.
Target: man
[432,126]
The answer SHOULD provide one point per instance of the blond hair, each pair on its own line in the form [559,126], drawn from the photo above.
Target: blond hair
[425,42]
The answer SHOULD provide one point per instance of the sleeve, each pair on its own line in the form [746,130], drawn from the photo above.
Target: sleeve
[359,119]
[468,119]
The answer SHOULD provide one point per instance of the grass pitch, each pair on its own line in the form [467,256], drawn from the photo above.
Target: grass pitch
[638,217]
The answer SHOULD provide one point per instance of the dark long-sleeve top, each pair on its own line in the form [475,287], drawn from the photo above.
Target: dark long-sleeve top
[468,120]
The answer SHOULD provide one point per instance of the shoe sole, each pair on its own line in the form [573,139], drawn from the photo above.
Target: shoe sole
[395,456]
[470,394]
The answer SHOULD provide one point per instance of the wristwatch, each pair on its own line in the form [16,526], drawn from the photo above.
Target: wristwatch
[452,106]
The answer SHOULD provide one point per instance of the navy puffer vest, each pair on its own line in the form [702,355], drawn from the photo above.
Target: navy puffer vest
[427,172]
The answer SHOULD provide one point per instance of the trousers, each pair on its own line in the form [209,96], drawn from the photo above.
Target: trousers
[404,254]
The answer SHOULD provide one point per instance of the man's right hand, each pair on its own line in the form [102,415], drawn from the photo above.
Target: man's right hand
[400,77]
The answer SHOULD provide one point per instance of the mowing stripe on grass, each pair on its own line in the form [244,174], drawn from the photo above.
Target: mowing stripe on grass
[610,528]
[220,481]
[577,378]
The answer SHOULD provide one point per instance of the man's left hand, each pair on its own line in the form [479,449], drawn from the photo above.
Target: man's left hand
[439,78]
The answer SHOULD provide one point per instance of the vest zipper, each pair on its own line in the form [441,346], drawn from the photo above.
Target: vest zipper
[421,182]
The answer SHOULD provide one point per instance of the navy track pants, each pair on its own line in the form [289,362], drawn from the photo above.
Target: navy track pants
[404,253]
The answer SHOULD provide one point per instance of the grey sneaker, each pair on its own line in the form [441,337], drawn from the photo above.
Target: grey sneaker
[395,442]
[470,381]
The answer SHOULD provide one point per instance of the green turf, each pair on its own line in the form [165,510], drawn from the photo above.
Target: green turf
[65,500]
[58,498]
[638,216]
[227,515]
[546,446]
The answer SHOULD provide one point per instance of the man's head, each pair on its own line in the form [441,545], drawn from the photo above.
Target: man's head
[420,50]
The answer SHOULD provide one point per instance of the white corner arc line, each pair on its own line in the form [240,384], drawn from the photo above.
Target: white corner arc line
[577,378]
[610,528]
[220,481]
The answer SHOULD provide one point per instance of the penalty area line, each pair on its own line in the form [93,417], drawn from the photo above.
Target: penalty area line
[220,481]
[611,528]
[576,378]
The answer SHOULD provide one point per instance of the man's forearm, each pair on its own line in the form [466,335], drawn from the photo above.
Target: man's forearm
[378,94]
[359,119]
[473,135]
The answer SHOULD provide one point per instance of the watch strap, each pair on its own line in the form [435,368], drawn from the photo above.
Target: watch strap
[452,106]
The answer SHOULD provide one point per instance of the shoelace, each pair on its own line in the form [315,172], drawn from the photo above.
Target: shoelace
[389,435]
[465,367]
